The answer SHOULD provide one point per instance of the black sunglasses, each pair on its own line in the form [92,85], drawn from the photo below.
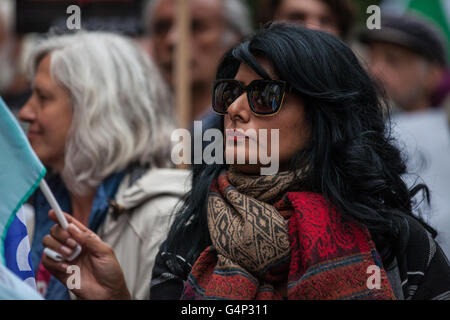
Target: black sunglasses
[265,97]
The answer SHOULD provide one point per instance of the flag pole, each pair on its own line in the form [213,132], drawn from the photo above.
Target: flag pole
[62,221]
[54,204]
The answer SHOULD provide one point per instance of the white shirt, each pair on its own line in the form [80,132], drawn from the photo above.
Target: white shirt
[424,138]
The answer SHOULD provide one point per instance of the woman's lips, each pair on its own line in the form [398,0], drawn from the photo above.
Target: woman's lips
[236,136]
[32,134]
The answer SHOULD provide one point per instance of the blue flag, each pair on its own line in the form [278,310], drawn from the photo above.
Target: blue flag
[20,174]
[17,249]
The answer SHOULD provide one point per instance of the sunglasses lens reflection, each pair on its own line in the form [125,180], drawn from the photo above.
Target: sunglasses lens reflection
[265,95]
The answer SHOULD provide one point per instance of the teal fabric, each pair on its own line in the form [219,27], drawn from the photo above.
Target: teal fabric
[13,288]
[20,171]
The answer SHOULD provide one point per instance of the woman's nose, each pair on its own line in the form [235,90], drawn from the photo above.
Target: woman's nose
[239,110]
[27,113]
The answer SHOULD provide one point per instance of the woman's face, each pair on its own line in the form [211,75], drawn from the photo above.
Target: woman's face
[289,121]
[49,114]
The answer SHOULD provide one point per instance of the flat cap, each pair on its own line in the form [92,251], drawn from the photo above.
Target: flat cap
[411,32]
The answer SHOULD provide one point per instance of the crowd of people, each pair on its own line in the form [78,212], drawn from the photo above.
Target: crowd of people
[363,117]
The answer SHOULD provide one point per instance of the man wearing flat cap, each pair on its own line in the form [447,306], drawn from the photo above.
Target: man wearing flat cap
[408,57]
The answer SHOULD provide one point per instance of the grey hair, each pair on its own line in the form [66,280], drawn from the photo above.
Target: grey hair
[121,107]
[7,12]
[7,68]
[236,16]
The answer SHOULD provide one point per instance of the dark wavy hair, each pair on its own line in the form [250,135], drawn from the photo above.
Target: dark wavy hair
[352,158]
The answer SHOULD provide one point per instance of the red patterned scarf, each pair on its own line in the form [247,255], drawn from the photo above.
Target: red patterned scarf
[268,243]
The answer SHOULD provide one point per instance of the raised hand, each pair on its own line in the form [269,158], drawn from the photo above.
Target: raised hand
[101,275]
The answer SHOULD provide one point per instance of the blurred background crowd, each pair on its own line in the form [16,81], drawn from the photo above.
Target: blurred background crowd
[408,56]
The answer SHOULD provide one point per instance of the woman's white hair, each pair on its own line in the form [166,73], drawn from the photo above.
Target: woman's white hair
[122,110]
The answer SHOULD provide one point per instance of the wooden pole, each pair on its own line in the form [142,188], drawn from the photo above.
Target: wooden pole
[182,68]
[182,65]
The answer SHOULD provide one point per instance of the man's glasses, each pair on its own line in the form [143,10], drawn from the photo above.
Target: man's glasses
[265,97]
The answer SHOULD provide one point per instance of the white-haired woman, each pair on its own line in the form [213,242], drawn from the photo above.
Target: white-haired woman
[100,120]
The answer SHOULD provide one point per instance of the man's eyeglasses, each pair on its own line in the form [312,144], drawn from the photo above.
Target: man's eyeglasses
[265,97]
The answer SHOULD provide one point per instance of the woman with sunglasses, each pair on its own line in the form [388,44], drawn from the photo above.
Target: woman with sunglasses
[335,222]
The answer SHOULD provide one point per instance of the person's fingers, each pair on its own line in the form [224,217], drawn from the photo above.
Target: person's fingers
[52,216]
[89,240]
[49,242]
[62,236]
[69,218]
[67,240]
[58,269]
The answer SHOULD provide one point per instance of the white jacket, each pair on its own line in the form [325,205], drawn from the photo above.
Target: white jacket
[140,222]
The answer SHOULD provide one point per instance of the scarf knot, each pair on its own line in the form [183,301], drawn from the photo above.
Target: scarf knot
[269,243]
